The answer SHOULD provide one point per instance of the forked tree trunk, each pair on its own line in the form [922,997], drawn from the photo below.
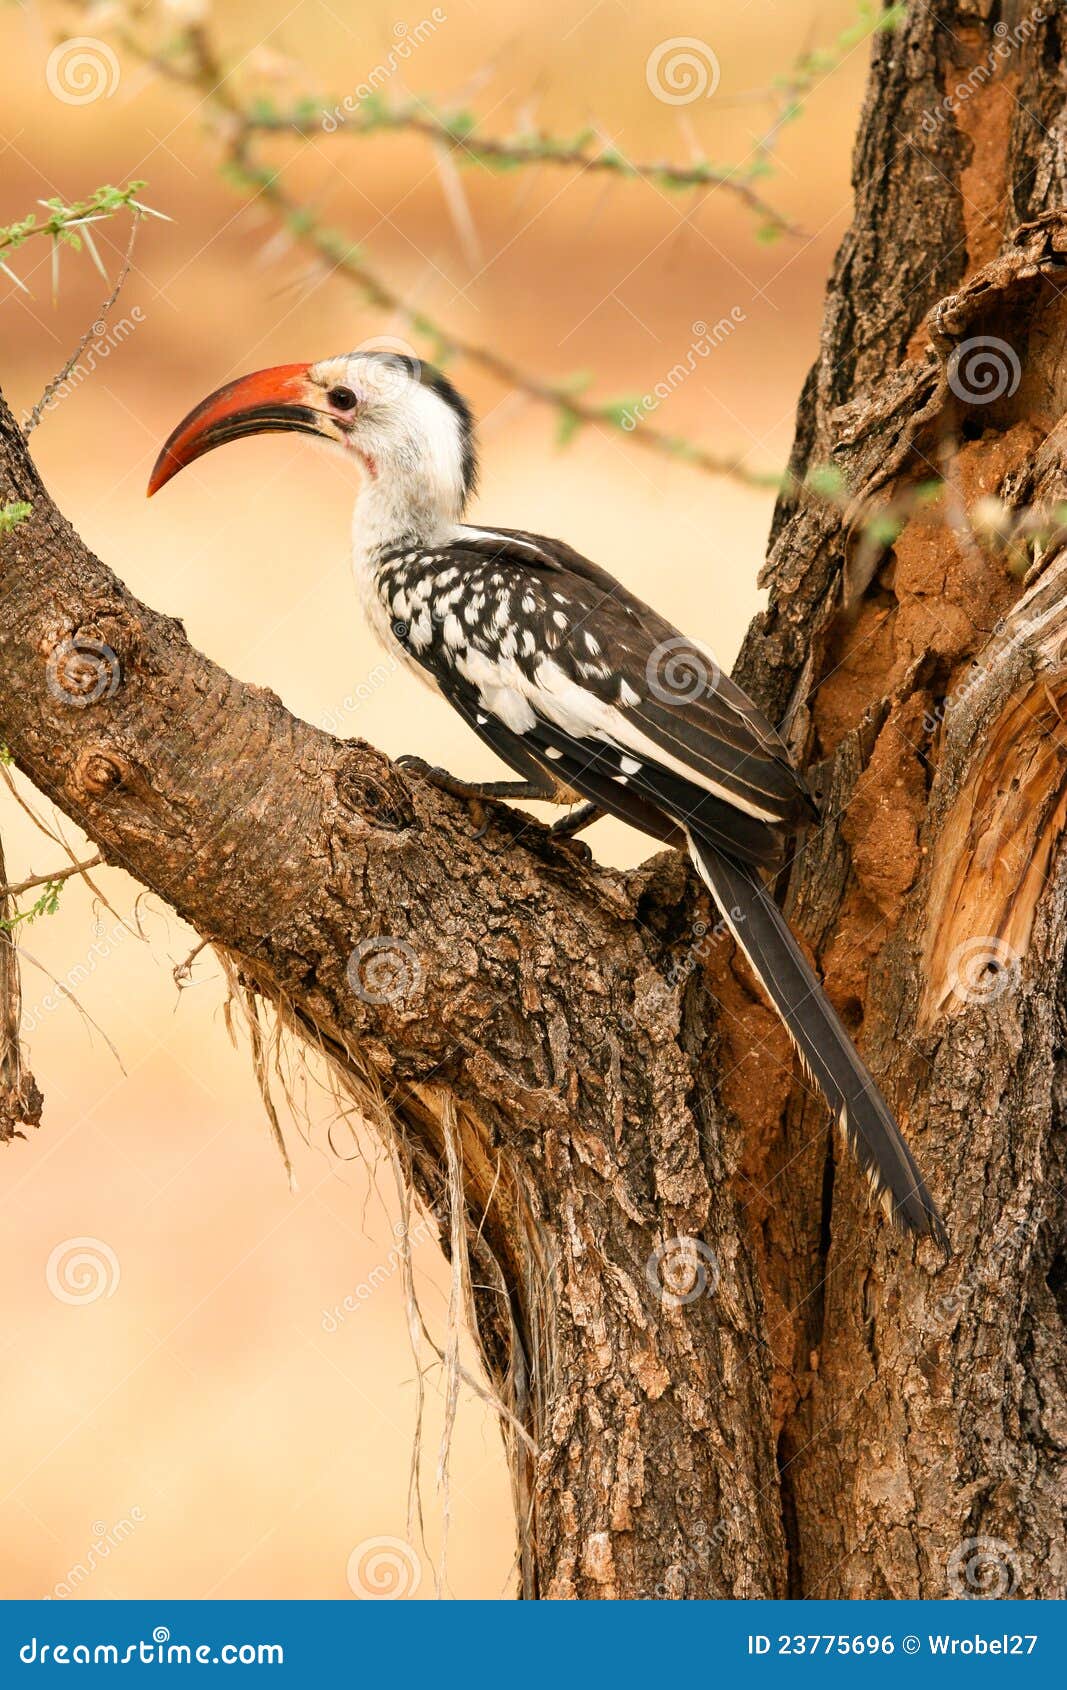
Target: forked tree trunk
[731,1378]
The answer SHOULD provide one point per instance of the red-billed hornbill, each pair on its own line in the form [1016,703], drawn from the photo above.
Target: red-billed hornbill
[583,690]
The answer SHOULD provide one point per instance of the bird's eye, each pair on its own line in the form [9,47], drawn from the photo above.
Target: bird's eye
[342,398]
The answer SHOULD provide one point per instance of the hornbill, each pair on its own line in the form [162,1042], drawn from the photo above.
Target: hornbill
[586,692]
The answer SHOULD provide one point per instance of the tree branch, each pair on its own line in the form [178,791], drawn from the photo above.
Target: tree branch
[572,410]
[237,124]
[68,225]
[506,991]
[56,878]
[458,132]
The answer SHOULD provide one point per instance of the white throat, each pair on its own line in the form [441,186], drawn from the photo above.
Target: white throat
[392,509]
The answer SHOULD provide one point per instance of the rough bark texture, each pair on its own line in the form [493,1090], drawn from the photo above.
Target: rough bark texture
[923,682]
[733,1379]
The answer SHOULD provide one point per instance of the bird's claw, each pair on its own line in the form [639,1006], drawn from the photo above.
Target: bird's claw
[413,765]
[579,818]
[481,814]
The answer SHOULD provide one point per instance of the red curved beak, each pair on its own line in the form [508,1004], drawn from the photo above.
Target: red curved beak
[261,403]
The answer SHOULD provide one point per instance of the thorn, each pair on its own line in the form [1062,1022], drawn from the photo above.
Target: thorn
[19,283]
[95,256]
[458,206]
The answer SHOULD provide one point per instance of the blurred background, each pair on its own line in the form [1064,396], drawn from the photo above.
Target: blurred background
[209,1386]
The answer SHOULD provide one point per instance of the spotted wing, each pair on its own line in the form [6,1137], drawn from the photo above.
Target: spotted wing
[534,644]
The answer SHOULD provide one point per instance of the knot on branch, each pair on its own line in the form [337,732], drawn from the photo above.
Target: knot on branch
[379,797]
[81,668]
[98,772]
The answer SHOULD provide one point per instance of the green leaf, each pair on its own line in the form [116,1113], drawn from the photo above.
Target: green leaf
[883,529]
[12,514]
[827,480]
[567,427]
[47,904]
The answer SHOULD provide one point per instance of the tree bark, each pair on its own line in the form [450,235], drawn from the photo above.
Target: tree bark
[923,1453]
[722,1374]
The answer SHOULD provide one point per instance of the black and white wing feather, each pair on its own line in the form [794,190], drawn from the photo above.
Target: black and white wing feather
[596,686]
[562,671]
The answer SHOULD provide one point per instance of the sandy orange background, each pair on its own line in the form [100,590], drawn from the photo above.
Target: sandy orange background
[207,1422]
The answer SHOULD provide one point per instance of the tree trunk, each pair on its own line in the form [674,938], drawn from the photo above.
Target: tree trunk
[921,1452]
[721,1374]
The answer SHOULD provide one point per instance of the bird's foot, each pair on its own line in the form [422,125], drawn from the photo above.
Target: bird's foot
[482,797]
[440,778]
[445,782]
[567,826]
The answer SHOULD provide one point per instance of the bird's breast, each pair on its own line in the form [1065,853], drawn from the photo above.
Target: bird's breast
[386,606]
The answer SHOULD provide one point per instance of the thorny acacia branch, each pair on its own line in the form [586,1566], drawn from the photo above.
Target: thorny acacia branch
[456,130]
[56,877]
[96,328]
[68,225]
[193,61]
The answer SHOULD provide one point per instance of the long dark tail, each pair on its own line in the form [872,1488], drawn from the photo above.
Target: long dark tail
[825,1048]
